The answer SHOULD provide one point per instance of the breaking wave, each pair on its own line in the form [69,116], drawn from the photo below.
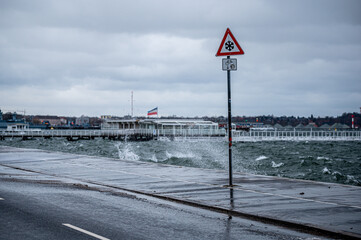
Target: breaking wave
[261,158]
[326,171]
[277,165]
[338,162]
[125,152]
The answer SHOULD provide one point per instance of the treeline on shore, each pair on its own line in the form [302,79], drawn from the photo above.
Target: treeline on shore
[345,118]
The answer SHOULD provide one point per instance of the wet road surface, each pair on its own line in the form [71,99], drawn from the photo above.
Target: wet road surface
[90,191]
[44,209]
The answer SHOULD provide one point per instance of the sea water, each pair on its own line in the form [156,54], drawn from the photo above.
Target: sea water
[327,161]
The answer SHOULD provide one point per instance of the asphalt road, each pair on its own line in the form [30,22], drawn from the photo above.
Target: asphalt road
[50,209]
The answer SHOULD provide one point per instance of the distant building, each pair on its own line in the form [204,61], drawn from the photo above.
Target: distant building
[161,124]
[247,124]
[17,127]
[82,121]
[106,117]
[278,126]
[95,122]
[325,127]
[50,120]
[3,124]
[339,126]
[63,121]
[71,121]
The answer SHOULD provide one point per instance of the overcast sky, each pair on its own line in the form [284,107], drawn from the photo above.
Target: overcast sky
[77,58]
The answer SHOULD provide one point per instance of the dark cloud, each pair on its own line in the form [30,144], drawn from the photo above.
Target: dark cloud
[302,57]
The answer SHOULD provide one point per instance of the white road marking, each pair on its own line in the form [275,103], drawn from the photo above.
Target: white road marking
[1,198]
[85,231]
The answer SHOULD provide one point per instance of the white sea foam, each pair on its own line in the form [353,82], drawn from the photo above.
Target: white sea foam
[323,158]
[351,179]
[180,155]
[168,154]
[126,153]
[164,139]
[277,165]
[154,158]
[129,155]
[261,158]
[326,171]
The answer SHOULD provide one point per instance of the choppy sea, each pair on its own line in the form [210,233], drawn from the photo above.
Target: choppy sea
[337,162]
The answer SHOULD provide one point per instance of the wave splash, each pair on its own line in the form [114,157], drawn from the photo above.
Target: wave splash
[277,165]
[261,158]
[125,152]
[337,162]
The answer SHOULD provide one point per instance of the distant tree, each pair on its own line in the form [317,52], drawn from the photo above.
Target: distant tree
[36,121]
[7,116]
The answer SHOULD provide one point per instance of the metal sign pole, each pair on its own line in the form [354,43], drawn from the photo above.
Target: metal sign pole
[229,46]
[229,125]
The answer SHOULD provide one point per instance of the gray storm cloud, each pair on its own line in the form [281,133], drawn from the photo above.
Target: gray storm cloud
[85,57]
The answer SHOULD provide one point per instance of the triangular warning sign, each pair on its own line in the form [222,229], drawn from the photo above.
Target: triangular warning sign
[229,45]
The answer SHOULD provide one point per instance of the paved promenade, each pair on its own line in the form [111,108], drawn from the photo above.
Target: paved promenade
[330,209]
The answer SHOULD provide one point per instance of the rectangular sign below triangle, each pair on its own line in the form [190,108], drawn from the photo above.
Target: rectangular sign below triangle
[229,45]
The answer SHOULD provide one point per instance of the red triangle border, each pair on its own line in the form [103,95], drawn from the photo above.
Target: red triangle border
[240,52]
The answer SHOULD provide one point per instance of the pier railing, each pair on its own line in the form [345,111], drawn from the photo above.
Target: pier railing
[306,135]
[147,134]
[75,133]
[190,132]
[123,133]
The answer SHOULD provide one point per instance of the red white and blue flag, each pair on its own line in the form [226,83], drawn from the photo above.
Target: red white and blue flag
[154,111]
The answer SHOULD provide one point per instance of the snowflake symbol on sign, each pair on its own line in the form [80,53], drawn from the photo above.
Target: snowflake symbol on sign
[229,45]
